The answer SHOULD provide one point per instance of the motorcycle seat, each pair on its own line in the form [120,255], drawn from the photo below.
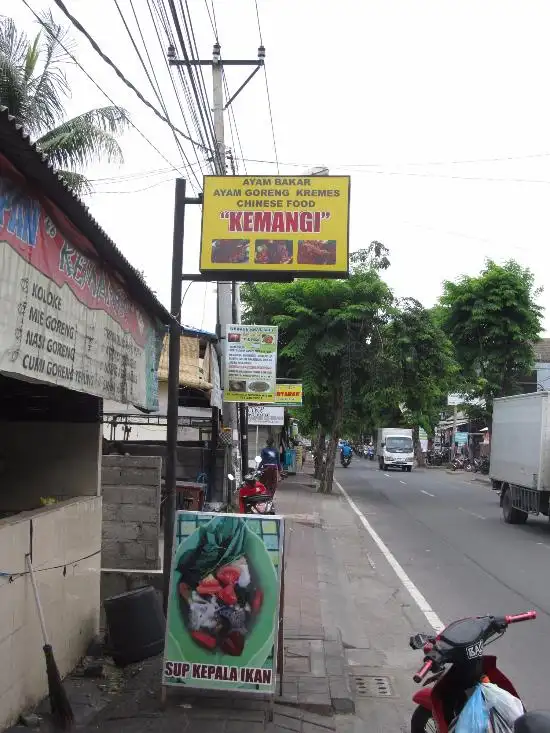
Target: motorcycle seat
[537,721]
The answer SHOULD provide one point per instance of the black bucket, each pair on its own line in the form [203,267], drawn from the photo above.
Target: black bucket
[136,625]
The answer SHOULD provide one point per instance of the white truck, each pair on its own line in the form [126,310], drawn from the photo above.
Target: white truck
[394,448]
[520,455]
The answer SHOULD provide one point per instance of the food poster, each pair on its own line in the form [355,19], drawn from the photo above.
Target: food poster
[257,224]
[250,373]
[223,610]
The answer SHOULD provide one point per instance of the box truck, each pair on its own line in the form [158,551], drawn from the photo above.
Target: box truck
[520,455]
[394,448]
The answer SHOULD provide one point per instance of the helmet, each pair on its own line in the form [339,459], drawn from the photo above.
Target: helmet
[250,479]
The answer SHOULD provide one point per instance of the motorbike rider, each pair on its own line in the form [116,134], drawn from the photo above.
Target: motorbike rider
[270,466]
[345,451]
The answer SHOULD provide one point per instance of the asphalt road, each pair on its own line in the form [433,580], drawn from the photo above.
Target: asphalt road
[447,533]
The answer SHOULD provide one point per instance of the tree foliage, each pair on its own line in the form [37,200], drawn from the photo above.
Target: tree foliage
[34,87]
[421,365]
[329,337]
[493,321]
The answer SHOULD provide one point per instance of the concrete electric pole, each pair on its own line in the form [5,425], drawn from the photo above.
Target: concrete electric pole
[228,300]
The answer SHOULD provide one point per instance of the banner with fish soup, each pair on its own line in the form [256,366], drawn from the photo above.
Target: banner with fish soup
[223,610]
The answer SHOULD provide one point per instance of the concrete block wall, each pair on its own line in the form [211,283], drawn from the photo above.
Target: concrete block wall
[191,461]
[131,488]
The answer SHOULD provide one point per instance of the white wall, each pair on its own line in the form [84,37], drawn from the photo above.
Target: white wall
[39,459]
[66,535]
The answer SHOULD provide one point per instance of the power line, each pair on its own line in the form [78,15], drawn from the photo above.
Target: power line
[134,190]
[190,31]
[121,76]
[77,62]
[212,17]
[165,23]
[209,129]
[155,85]
[176,91]
[267,88]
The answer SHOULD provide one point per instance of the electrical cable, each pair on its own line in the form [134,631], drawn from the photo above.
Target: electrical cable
[176,91]
[61,5]
[190,32]
[90,77]
[165,23]
[156,89]
[209,130]
[133,190]
[267,87]
[212,17]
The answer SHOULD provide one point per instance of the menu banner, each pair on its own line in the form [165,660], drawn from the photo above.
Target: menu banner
[250,373]
[63,319]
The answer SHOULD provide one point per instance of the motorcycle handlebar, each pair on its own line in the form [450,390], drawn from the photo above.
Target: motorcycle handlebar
[515,619]
[423,671]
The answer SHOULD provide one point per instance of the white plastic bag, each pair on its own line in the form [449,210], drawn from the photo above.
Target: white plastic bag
[502,707]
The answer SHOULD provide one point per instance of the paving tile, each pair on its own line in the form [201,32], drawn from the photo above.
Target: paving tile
[287,723]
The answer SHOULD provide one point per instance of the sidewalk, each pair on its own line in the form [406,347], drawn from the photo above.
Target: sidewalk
[347,621]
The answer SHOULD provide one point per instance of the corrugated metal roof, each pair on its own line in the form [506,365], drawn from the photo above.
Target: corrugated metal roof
[35,166]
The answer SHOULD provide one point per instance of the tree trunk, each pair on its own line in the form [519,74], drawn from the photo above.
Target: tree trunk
[328,473]
[417,447]
[318,451]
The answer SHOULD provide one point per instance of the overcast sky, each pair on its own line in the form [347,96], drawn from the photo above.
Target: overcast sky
[439,111]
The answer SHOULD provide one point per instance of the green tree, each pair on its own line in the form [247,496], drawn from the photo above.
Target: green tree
[329,336]
[33,87]
[493,321]
[423,363]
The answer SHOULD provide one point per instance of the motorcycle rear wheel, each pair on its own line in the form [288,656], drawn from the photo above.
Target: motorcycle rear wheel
[422,721]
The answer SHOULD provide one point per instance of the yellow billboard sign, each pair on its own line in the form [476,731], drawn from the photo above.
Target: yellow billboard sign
[289,395]
[275,224]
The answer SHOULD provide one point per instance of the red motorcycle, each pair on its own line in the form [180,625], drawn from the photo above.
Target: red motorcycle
[456,659]
[254,497]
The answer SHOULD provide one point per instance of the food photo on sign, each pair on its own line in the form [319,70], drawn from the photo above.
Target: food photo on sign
[224,602]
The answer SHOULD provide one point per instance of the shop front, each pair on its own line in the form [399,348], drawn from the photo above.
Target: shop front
[77,325]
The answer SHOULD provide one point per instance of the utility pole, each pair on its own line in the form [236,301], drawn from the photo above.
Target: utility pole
[226,290]
[228,305]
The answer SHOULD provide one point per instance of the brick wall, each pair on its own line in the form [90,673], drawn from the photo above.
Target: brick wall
[131,512]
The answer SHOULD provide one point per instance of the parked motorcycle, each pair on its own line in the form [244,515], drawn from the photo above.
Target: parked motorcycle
[456,660]
[254,497]
[481,465]
[461,463]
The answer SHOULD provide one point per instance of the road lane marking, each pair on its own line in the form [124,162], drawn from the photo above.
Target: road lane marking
[472,514]
[427,493]
[431,616]
[542,544]
[403,482]
[387,474]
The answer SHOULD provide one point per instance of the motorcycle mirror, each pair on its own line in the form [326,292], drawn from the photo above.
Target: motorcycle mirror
[258,459]
[231,477]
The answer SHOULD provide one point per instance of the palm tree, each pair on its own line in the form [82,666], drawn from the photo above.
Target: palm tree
[33,87]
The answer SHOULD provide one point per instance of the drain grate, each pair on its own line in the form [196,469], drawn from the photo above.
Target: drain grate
[373,686]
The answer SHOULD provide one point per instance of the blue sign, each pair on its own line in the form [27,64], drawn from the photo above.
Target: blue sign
[461,438]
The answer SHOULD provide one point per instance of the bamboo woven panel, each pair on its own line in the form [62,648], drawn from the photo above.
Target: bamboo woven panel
[191,370]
